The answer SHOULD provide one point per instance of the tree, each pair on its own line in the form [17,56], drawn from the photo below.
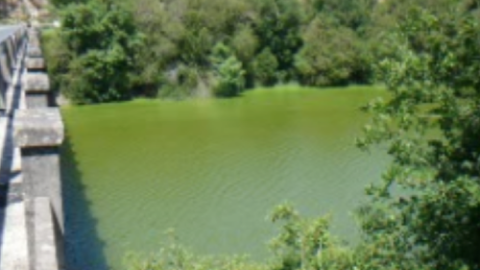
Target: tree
[425,214]
[330,55]
[278,27]
[265,67]
[102,39]
[228,71]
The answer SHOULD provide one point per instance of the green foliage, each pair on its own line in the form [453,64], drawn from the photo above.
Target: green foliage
[63,3]
[228,71]
[306,243]
[244,43]
[428,204]
[58,56]
[265,66]
[179,82]
[278,25]
[354,14]
[175,257]
[101,38]
[330,55]
[313,42]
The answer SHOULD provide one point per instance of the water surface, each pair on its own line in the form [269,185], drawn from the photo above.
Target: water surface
[211,169]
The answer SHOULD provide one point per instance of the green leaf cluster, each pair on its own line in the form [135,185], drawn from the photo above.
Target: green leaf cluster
[98,41]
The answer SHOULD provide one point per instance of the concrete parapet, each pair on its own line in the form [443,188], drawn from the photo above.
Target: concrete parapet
[34,61]
[37,82]
[38,128]
[6,73]
[33,37]
[44,251]
[35,64]
[34,51]
[39,134]
[11,53]
[37,90]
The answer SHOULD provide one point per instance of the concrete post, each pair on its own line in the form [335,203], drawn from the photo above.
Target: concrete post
[4,72]
[5,79]
[33,37]
[11,52]
[35,61]
[13,40]
[34,51]
[35,64]
[39,134]
[37,90]
[6,62]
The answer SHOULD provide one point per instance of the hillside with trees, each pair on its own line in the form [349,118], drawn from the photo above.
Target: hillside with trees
[186,48]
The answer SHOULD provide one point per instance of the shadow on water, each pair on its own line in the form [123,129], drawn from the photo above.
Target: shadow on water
[83,247]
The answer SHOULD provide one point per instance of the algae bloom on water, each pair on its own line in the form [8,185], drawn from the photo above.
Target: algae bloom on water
[211,169]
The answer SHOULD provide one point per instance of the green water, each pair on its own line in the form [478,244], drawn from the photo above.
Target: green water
[211,169]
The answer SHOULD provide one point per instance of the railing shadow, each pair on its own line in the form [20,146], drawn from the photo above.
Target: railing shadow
[83,247]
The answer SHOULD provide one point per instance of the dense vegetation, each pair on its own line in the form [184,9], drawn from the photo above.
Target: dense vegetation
[425,214]
[185,48]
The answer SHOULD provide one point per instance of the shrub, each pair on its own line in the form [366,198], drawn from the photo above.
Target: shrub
[101,38]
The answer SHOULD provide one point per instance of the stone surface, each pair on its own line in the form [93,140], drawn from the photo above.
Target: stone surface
[13,238]
[35,64]
[38,128]
[36,82]
[13,41]
[33,32]
[41,178]
[10,52]
[34,51]
[34,42]
[35,100]
[46,256]
[3,83]
[5,69]
[13,232]
[33,37]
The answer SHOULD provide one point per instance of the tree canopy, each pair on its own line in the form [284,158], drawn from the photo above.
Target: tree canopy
[314,43]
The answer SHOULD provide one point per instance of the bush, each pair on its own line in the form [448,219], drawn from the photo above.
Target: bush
[265,68]
[101,38]
[330,54]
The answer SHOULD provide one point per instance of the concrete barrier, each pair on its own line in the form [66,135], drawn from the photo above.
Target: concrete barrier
[5,67]
[5,80]
[35,64]
[36,83]
[34,51]
[11,53]
[38,131]
[44,252]
[37,90]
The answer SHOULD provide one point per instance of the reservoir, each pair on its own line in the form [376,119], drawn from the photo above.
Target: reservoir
[212,170]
